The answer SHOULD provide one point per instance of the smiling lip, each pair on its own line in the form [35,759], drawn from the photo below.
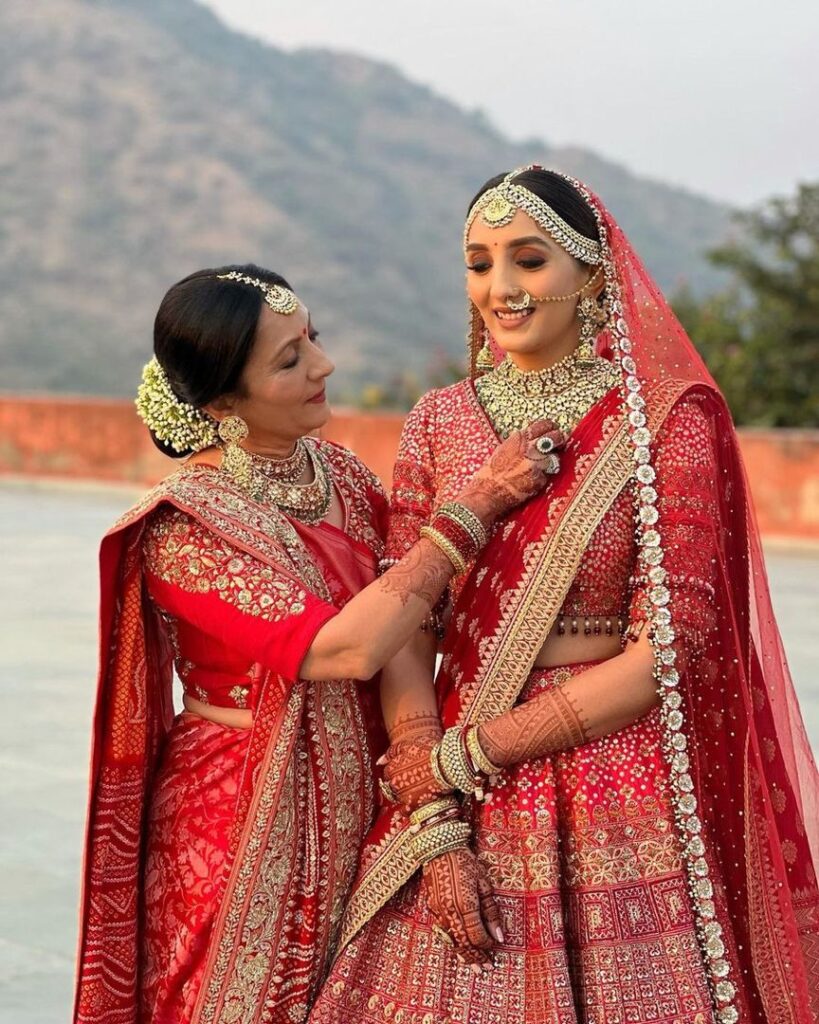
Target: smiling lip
[514,320]
[319,398]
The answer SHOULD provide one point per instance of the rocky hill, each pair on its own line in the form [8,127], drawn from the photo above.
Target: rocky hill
[143,139]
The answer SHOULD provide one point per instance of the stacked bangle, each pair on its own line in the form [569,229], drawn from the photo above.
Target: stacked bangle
[435,768]
[467,519]
[439,838]
[445,809]
[477,753]
[446,545]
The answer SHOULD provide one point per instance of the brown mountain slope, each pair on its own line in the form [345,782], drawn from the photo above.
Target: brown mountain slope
[142,140]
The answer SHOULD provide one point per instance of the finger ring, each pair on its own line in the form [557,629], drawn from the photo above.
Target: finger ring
[545,445]
[443,935]
[551,464]
[387,791]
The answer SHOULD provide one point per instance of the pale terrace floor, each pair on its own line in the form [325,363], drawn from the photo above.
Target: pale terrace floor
[48,603]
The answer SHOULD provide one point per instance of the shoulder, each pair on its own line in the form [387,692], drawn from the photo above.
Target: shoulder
[440,405]
[345,462]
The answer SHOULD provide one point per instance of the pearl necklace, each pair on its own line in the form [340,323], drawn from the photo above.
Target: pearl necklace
[564,393]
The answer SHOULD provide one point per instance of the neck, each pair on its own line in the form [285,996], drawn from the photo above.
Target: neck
[544,358]
[271,448]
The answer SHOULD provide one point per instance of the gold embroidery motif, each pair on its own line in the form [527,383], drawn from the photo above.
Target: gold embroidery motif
[181,551]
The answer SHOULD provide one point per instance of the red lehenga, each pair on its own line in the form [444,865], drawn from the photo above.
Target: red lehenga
[667,872]
[218,860]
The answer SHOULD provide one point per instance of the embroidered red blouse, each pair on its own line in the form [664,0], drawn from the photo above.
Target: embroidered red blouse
[229,617]
[446,439]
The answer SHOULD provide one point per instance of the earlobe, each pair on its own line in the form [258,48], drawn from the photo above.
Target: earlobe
[220,407]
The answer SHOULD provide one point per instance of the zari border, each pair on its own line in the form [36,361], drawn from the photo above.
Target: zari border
[662,636]
[393,866]
[236,971]
[262,531]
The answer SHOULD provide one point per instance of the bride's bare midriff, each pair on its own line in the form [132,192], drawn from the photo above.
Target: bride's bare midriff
[569,649]
[236,718]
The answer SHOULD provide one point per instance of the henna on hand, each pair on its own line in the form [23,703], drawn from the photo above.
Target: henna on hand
[514,472]
[550,722]
[423,572]
[456,890]
[408,772]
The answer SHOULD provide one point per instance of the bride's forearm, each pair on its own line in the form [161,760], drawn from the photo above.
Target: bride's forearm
[594,703]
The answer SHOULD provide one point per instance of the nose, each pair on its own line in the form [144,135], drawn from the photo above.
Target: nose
[321,365]
[502,285]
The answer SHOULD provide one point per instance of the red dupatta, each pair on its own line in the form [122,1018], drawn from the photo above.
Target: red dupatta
[252,939]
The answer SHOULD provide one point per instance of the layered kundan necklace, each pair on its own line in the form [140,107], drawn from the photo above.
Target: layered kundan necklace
[564,393]
[277,481]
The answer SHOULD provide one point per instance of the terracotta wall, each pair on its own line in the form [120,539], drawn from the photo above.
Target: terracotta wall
[102,439]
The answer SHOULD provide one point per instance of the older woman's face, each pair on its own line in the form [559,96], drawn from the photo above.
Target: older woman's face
[501,264]
[284,379]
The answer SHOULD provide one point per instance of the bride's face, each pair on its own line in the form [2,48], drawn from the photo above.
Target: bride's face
[504,262]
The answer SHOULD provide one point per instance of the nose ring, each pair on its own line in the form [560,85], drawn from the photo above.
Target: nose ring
[517,307]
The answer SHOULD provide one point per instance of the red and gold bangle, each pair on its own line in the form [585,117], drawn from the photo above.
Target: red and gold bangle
[446,546]
[457,535]
[466,518]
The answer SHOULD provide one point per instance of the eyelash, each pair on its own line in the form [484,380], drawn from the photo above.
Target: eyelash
[313,336]
[532,264]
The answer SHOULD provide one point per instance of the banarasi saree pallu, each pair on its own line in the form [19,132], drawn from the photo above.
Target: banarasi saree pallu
[666,872]
[218,860]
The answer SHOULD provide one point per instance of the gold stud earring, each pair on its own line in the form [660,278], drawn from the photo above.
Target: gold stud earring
[235,460]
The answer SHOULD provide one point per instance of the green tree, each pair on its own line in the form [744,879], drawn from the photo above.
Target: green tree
[760,338]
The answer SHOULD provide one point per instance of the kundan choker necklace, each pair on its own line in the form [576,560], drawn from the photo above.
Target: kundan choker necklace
[275,481]
[564,393]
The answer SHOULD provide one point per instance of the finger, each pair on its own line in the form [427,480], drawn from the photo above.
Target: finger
[382,760]
[551,441]
[489,908]
[477,935]
[541,427]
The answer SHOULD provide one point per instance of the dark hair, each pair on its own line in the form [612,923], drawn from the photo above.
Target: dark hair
[204,333]
[553,189]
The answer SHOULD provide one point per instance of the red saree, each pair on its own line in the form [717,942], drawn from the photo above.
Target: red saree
[666,872]
[218,860]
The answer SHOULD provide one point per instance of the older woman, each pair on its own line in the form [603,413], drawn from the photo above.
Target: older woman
[222,843]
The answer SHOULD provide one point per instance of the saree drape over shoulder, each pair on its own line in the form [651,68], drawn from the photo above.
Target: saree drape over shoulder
[218,860]
[663,873]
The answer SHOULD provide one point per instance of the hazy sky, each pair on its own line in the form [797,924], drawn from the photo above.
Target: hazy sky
[717,95]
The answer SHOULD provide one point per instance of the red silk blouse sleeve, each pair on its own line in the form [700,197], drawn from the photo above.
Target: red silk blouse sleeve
[196,575]
[689,512]
[413,488]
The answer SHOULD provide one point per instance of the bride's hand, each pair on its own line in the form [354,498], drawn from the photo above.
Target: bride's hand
[408,772]
[460,898]
[517,470]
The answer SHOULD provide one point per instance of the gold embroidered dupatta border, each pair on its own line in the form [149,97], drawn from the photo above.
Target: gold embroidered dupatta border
[529,614]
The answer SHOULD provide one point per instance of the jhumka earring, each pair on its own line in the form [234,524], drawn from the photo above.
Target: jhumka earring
[593,316]
[235,460]
[485,360]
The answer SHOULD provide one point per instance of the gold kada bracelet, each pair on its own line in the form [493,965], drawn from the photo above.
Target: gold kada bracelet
[438,839]
[444,545]
[453,760]
[478,754]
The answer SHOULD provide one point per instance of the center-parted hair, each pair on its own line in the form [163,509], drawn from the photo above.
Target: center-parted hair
[553,189]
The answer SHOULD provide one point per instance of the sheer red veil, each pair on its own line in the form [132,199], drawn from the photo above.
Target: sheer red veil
[744,777]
